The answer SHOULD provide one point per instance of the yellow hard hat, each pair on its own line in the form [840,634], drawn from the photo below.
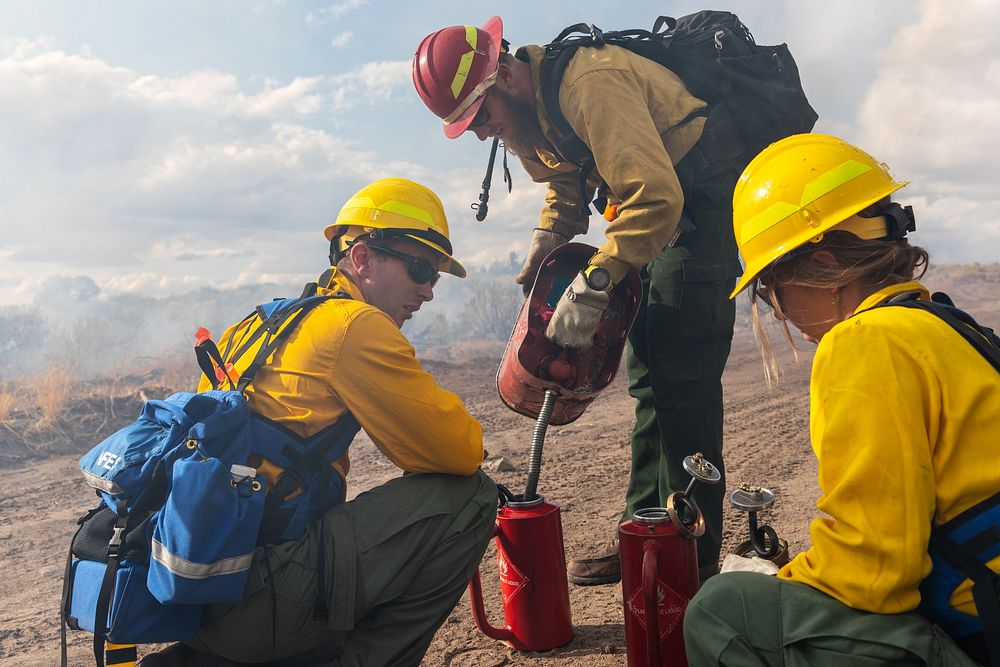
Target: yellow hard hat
[797,189]
[396,207]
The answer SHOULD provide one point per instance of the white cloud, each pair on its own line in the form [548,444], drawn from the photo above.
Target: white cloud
[372,82]
[120,174]
[343,39]
[932,115]
[329,14]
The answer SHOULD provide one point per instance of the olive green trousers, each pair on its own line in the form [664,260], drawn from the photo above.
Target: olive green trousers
[396,560]
[677,352]
[745,619]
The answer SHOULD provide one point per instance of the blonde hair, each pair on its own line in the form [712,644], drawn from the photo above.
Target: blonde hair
[873,263]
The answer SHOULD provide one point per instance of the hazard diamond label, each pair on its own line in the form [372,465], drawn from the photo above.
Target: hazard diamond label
[670,607]
[513,579]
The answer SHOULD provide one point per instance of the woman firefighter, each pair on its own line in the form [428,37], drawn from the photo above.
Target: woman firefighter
[904,421]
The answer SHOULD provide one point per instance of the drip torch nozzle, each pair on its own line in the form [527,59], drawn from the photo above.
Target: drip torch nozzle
[753,499]
[681,507]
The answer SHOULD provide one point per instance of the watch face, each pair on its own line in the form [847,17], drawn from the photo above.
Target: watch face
[598,279]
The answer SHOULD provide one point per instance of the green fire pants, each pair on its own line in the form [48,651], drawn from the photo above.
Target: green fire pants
[677,351]
[397,559]
[747,619]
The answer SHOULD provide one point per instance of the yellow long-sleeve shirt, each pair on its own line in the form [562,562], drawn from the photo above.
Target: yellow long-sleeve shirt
[348,356]
[904,422]
[635,117]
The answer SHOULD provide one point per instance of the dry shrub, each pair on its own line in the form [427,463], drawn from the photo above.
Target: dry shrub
[8,401]
[464,350]
[53,391]
[180,372]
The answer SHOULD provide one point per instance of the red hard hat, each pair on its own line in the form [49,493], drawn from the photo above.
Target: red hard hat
[454,67]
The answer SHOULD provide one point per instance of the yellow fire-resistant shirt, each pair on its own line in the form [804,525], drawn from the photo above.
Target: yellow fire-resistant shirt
[348,356]
[905,423]
[635,116]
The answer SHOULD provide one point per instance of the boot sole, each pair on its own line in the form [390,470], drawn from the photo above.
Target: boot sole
[593,581]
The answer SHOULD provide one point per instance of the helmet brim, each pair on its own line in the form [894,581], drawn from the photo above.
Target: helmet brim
[450,265]
[454,129]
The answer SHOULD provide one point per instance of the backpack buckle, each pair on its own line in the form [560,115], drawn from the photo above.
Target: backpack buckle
[597,36]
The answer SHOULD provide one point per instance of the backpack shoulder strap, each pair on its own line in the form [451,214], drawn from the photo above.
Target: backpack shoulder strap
[278,320]
[554,63]
[982,338]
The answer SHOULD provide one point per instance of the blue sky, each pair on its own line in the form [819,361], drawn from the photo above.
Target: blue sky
[157,147]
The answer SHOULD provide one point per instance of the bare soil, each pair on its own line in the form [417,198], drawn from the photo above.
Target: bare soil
[585,471]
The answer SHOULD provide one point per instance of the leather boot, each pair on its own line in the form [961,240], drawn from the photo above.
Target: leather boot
[603,567]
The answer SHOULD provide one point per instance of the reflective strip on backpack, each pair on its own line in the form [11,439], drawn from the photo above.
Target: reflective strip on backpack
[190,570]
[102,483]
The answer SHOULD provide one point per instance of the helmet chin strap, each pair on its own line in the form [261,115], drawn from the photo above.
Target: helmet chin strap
[335,253]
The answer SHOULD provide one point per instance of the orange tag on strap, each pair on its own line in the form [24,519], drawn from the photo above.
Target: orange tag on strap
[221,375]
[610,212]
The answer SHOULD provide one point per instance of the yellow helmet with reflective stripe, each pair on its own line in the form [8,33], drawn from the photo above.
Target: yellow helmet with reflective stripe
[797,189]
[395,207]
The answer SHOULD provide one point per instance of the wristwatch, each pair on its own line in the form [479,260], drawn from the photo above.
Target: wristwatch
[598,278]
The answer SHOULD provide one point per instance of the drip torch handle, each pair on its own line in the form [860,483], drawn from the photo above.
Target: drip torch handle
[479,613]
[763,538]
[650,565]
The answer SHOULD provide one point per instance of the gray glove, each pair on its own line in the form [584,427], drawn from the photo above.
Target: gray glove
[543,241]
[577,315]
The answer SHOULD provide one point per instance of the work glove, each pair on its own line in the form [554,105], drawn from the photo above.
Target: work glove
[543,241]
[577,315]
[734,563]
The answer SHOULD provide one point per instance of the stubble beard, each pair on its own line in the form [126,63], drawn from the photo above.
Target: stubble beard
[523,134]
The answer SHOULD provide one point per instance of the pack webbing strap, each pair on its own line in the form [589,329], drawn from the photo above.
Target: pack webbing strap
[107,590]
[336,439]
[121,655]
[985,582]
[279,326]
[981,338]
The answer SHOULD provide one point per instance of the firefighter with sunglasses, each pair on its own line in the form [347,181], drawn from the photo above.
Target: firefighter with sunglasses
[387,567]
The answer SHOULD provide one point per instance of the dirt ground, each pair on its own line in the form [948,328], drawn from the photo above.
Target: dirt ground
[585,471]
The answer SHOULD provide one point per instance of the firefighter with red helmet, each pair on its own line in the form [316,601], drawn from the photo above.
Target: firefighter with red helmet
[670,218]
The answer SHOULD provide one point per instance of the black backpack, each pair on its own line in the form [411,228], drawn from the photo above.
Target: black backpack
[715,56]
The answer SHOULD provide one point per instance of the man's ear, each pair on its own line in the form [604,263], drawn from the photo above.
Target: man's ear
[505,77]
[362,259]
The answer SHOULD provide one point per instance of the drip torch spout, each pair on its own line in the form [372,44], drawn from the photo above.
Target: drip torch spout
[537,439]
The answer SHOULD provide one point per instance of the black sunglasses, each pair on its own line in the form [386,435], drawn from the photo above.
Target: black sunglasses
[419,269]
[482,116]
[768,292]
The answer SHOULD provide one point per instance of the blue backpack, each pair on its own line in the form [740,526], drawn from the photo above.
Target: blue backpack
[182,510]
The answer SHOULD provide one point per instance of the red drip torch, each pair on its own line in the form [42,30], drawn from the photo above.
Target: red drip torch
[531,563]
[532,363]
[554,385]
[660,571]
